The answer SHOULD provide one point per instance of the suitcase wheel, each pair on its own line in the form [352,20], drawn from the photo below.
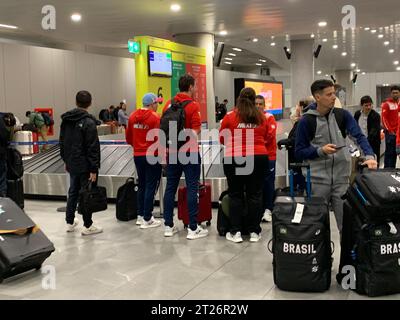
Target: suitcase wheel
[208,223]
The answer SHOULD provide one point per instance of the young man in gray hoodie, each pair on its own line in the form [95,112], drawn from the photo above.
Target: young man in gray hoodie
[321,142]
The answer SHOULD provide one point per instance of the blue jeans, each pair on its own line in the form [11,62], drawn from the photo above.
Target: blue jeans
[76,183]
[192,178]
[3,176]
[390,153]
[269,186]
[149,177]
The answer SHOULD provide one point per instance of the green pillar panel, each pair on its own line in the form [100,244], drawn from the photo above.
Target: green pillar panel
[178,70]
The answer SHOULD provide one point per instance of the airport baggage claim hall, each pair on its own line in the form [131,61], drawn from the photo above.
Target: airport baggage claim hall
[134,56]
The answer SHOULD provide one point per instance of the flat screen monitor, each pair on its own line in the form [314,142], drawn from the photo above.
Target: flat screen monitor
[160,62]
[272,92]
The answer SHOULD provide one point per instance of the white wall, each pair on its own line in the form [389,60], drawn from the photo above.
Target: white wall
[366,84]
[42,77]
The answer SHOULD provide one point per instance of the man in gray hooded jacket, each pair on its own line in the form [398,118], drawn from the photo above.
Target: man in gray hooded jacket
[321,142]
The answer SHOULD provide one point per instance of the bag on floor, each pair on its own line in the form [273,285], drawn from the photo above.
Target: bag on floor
[23,246]
[371,249]
[301,243]
[127,201]
[92,198]
[223,220]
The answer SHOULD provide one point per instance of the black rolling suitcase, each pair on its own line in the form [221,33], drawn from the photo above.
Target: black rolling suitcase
[15,191]
[370,243]
[126,207]
[301,244]
[23,246]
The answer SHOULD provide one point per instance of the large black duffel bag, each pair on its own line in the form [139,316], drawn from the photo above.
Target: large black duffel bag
[23,246]
[379,193]
[301,243]
[92,198]
[371,249]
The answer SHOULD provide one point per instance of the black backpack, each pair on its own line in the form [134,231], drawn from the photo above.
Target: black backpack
[174,115]
[127,201]
[312,122]
[48,121]
[15,166]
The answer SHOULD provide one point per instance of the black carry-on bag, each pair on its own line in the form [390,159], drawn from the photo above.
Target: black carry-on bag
[126,207]
[92,198]
[370,244]
[301,243]
[23,246]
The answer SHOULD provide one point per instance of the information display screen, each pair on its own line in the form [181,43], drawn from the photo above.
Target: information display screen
[160,62]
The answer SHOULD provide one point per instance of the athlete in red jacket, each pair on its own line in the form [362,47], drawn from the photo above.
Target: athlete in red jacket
[269,182]
[148,166]
[390,119]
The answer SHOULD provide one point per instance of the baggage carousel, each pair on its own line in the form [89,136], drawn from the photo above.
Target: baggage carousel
[45,174]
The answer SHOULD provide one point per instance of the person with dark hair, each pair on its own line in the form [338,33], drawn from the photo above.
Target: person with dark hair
[7,123]
[370,123]
[122,116]
[221,110]
[80,150]
[175,166]
[244,132]
[390,115]
[269,181]
[321,142]
[36,119]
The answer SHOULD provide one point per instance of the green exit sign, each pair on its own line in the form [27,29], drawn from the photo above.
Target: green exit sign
[133,46]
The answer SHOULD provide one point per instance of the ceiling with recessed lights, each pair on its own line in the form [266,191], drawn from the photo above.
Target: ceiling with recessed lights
[373,46]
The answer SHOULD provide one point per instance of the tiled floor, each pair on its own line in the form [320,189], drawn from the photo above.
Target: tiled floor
[125,262]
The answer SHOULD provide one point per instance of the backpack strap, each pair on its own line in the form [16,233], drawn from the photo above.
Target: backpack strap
[340,120]
[311,125]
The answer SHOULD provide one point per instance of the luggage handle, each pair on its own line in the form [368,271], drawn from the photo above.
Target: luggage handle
[308,178]
[332,247]
[269,246]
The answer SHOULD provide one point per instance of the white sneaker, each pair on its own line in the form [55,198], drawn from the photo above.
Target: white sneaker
[254,237]
[169,232]
[197,234]
[71,227]
[237,237]
[91,230]
[139,220]
[152,223]
[267,216]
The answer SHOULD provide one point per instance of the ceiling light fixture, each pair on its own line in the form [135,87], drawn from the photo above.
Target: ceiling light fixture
[7,26]
[237,49]
[353,65]
[232,54]
[335,46]
[325,40]
[386,43]
[273,44]
[312,36]
[380,36]
[391,50]
[358,70]
[322,24]
[373,31]
[223,33]
[367,28]
[327,75]
[262,60]
[344,54]
[226,62]
[364,73]
[255,40]
[396,62]
[398,68]
[175,7]
[76,17]
[230,59]
[258,64]
[319,72]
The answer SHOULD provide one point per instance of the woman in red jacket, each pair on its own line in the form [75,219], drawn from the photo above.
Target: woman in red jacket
[244,132]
